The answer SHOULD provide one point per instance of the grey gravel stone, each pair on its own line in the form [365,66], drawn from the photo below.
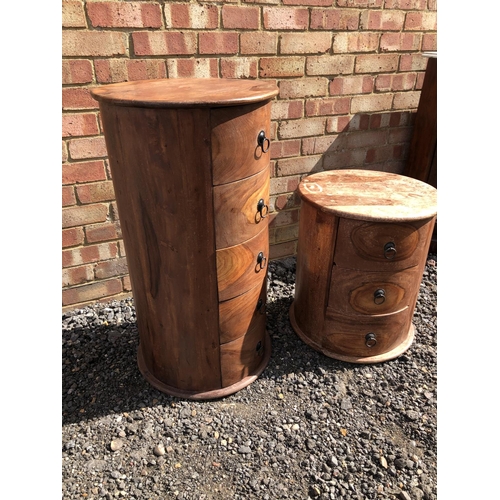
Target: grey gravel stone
[338,430]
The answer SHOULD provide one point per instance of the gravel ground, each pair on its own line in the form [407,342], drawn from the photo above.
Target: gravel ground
[308,427]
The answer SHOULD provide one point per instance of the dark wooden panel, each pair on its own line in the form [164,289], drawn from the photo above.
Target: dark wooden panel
[235,151]
[237,218]
[160,162]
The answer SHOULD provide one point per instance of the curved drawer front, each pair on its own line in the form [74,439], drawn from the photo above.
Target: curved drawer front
[381,245]
[243,313]
[236,153]
[353,335]
[243,266]
[352,292]
[241,209]
[242,357]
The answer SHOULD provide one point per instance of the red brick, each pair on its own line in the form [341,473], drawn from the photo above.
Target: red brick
[360,121]
[420,81]
[238,67]
[403,81]
[330,65]
[421,21]
[363,139]
[95,192]
[79,216]
[380,154]
[103,232]
[218,43]
[386,20]
[161,43]
[396,42]
[355,42]
[284,201]
[258,43]
[346,85]
[72,237]
[235,17]
[110,268]
[78,98]
[83,172]
[282,149]
[89,147]
[68,196]
[77,275]
[193,68]
[323,144]
[124,15]
[122,70]
[374,102]
[284,218]
[354,158]
[412,62]
[64,152]
[92,291]
[301,128]
[400,135]
[76,71]
[192,16]
[376,63]
[337,124]
[73,15]
[314,3]
[127,286]
[89,254]
[429,42]
[285,18]
[305,87]
[406,100]
[281,66]
[287,109]
[94,43]
[301,165]
[305,43]
[281,250]
[79,124]
[328,106]
[373,4]
[406,4]
[334,19]
[432,4]
[282,184]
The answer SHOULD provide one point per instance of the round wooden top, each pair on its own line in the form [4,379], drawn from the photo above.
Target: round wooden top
[186,92]
[369,195]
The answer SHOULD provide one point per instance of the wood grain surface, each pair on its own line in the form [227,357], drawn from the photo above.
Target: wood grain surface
[186,92]
[160,163]
[370,195]
[236,153]
[237,218]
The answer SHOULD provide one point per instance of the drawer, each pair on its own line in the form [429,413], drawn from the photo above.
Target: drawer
[241,357]
[241,209]
[242,266]
[348,335]
[243,313]
[236,153]
[382,245]
[370,292]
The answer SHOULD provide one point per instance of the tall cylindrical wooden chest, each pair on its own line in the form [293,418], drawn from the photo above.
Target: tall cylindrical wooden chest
[363,243]
[189,160]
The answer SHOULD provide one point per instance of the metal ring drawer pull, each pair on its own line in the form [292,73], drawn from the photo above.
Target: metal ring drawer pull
[261,307]
[379,296]
[261,141]
[262,209]
[261,260]
[370,340]
[390,250]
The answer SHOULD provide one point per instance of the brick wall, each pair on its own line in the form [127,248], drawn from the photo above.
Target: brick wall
[349,74]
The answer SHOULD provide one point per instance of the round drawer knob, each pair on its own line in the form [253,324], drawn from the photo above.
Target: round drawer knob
[370,340]
[390,250]
[262,209]
[261,260]
[261,141]
[379,296]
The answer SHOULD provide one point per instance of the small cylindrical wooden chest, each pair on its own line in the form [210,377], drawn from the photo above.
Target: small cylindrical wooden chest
[190,165]
[363,243]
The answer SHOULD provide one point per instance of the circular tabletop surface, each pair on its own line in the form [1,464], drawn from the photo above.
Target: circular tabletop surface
[369,195]
[186,92]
